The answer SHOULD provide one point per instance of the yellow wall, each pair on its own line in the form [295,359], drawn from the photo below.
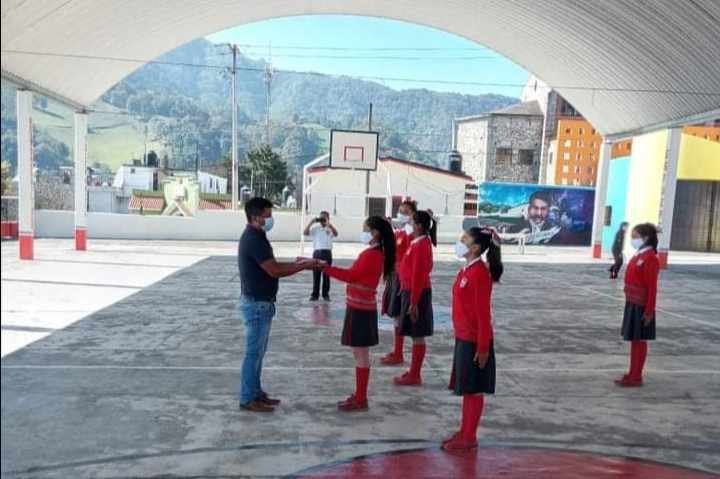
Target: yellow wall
[699,159]
[645,178]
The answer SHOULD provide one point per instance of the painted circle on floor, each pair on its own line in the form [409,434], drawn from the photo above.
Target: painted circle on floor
[505,462]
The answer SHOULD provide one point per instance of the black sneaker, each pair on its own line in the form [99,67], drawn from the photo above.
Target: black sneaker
[313,298]
[326,298]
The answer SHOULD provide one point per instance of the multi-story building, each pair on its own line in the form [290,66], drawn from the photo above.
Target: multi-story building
[502,145]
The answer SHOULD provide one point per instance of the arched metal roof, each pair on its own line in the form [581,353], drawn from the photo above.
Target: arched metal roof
[627,65]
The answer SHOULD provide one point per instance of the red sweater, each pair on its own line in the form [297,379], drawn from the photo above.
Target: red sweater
[471,313]
[402,243]
[362,278]
[641,279]
[415,268]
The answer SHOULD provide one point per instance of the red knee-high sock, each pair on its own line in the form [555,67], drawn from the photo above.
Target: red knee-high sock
[472,409]
[641,348]
[399,340]
[362,378]
[418,354]
[633,358]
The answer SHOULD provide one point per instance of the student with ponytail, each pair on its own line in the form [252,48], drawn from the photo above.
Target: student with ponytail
[360,330]
[416,294]
[641,281]
[391,296]
[474,358]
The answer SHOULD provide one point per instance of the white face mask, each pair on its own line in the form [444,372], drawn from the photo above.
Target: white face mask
[269,223]
[366,237]
[402,219]
[637,243]
[461,250]
[409,229]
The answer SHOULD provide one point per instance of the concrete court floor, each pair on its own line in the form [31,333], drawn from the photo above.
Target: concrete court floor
[145,383]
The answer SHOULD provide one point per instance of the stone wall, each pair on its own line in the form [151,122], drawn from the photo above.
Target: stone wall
[516,133]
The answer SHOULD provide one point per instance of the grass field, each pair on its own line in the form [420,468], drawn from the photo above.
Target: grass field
[113,139]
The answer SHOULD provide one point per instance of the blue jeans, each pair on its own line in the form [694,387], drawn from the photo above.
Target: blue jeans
[257,316]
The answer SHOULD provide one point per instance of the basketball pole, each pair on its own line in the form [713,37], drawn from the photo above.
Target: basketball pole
[367,172]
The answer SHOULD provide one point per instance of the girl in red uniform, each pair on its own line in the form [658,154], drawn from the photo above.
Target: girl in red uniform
[641,279]
[416,294]
[474,358]
[360,330]
[391,296]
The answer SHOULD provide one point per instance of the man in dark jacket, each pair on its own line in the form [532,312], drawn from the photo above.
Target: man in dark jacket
[617,250]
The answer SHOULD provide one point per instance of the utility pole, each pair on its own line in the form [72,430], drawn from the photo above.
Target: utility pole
[197,160]
[233,75]
[268,80]
[367,172]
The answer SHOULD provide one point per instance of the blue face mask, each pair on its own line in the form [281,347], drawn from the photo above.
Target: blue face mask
[268,225]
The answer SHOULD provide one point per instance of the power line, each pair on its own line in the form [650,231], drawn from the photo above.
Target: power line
[368,49]
[371,77]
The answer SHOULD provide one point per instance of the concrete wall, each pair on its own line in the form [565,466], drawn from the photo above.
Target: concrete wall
[471,142]
[208,226]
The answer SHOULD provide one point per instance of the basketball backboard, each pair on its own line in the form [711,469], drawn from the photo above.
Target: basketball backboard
[355,150]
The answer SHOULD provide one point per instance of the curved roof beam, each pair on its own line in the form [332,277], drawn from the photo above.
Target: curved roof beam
[627,65]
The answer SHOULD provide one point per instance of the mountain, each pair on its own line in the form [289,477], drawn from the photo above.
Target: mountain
[184,110]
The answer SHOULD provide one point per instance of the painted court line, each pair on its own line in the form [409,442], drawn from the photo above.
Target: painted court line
[333,368]
[622,300]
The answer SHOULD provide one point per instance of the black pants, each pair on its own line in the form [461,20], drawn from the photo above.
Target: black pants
[325,255]
[615,268]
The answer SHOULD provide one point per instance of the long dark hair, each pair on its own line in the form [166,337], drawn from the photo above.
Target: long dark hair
[410,204]
[649,231]
[387,243]
[427,223]
[487,241]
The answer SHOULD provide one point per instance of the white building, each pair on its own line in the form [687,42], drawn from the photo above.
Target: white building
[342,192]
[212,183]
[130,178]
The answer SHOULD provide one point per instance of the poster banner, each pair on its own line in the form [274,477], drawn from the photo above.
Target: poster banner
[540,214]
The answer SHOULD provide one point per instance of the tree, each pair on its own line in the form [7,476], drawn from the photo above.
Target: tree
[6,177]
[267,170]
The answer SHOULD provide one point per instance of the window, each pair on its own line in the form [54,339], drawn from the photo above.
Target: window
[568,143]
[577,170]
[581,143]
[590,170]
[503,157]
[564,181]
[550,158]
[581,131]
[578,156]
[593,132]
[526,157]
[565,169]
[567,131]
[566,155]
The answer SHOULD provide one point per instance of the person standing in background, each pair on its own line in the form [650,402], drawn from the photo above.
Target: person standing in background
[617,250]
[416,294]
[322,234]
[641,284]
[391,296]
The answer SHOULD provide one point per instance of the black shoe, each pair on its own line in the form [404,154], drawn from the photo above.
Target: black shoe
[326,298]
[256,406]
[265,399]
[313,298]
